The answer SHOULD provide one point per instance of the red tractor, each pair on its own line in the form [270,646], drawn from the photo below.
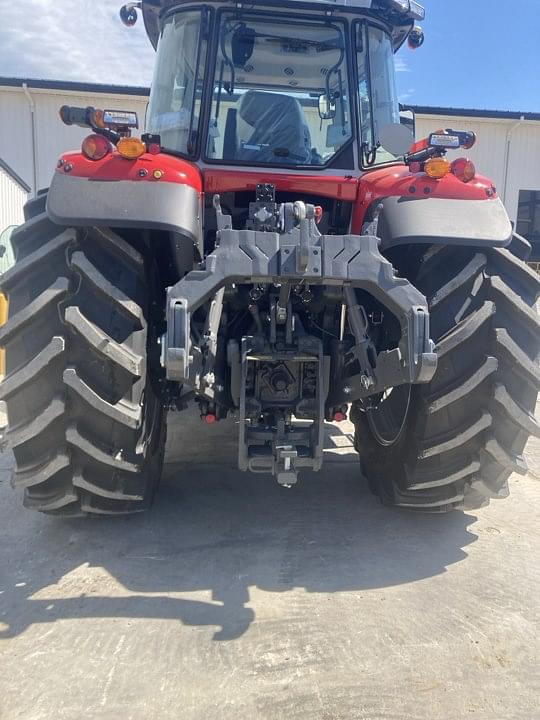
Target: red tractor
[277,247]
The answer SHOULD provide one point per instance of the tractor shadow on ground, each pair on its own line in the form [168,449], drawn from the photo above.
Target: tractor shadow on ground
[218,530]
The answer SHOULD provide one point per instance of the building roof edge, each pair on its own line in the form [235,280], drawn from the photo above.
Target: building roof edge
[139,91]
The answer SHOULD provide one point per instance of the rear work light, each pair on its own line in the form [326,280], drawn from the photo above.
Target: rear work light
[96,147]
[437,167]
[402,5]
[410,7]
[417,10]
[131,148]
[464,169]
[468,140]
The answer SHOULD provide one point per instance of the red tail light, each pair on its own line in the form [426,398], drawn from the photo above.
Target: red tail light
[464,169]
[96,147]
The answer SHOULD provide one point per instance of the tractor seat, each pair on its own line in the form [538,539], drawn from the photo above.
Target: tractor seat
[279,131]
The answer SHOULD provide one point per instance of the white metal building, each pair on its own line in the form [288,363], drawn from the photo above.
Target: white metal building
[32,137]
[507,151]
[14,192]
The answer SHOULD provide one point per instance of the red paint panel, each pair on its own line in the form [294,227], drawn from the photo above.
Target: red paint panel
[341,188]
[364,191]
[400,182]
[114,168]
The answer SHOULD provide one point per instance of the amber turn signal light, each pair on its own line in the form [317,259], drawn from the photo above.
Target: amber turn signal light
[96,147]
[437,167]
[131,148]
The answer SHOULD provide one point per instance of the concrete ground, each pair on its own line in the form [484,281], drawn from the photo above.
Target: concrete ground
[237,599]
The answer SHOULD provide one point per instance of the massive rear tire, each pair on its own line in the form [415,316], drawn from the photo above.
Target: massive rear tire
[85,419]
[464,433]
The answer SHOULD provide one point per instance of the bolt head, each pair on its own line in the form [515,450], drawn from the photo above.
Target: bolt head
[366,382]
[209,379]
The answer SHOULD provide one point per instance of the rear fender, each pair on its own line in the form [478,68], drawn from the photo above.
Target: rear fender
[438,221]
[418,209]
[155,191]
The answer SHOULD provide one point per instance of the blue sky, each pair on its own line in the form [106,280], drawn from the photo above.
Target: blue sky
[481,54]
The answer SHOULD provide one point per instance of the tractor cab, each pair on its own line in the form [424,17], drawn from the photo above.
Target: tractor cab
[309,86]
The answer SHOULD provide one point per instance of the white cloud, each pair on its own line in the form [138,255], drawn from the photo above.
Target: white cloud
[407,95]
[73,40]
[401,65]
[78,40]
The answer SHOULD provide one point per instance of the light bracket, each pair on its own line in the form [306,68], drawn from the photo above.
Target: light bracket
[447,142]
[120,118]
[452,140]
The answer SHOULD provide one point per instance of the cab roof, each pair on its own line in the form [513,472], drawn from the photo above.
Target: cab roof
[400,15]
